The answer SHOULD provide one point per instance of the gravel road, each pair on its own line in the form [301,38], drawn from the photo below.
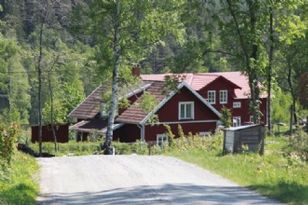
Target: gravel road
[136,180]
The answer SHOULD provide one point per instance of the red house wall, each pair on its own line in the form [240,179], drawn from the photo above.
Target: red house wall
[152,131]
[127,133]
[243,111]
[170,111]
[218,85]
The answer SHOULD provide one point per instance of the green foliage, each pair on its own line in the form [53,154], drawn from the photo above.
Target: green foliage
[280,106]
[133,148]
[226,117]
[180,132]
[124,103]
[170,135]
[297,148]
[272,174]
[171,83]
[72,148]
[14,85]
[10,116]
[148,102]
[59,112]
[21,185]
[8,138]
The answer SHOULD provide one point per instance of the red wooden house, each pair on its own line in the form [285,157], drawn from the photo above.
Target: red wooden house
[195,106]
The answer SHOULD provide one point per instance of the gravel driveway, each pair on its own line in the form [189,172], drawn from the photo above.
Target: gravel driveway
[136,180]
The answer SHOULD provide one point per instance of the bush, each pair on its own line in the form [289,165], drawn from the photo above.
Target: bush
[183,142]
[125,148]
[8,137]
[298,145]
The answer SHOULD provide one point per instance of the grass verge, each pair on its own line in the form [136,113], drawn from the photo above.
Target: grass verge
[73,148]
[275,175]
[66,149]
[21,185]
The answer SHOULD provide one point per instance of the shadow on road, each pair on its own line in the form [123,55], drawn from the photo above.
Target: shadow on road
[166,194]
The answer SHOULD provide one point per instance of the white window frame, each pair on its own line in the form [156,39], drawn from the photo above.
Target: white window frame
[237,104]
[204,134]
[222,95]
[236,121]
[161,139]
[214,94]
[192,103]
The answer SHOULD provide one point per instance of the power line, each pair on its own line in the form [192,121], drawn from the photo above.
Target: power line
[26,72]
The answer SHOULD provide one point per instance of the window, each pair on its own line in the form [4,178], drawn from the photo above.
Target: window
[161,140]
[236,121]
[186,110]
[211,96]
[237,105]
[223,96]
[204,134]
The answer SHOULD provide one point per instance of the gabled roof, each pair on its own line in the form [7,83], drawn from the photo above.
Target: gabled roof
[198,81]
[90,107]
[135,114]
[95,124]
[168,97]
[218,78]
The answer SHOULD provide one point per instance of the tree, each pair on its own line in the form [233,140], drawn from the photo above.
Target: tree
[226,117]
[270,67]
[247,23]
[292,31]
[14,86]
[126,31]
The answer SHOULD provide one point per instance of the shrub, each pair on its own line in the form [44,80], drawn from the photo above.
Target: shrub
[170,135]
[8,137]
[226,117]
[298,145]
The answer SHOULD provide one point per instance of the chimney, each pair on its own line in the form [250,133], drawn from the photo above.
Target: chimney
[136,70]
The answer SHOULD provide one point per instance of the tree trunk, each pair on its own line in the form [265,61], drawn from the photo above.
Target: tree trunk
[255,90]
[115,75]
[307,124]
[293,117]
[52,111]
[39,70]
[250,71]
[269,71]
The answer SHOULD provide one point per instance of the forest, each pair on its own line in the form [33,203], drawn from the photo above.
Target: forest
[54,53]
[67,48]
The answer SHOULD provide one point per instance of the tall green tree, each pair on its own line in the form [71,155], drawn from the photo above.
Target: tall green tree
[126,31]
[14,85]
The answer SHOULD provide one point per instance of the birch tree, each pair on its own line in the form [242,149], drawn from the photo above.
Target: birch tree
[125,32]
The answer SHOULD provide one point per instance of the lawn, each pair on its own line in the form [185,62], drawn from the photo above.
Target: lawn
[21,185]
[275,174]
[73,148]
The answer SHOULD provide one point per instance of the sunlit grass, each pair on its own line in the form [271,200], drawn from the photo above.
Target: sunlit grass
[274,174]
[20,186]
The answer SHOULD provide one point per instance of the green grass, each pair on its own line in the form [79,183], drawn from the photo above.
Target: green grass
[74,148]
[275,175]
[71,148]
[21,185]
